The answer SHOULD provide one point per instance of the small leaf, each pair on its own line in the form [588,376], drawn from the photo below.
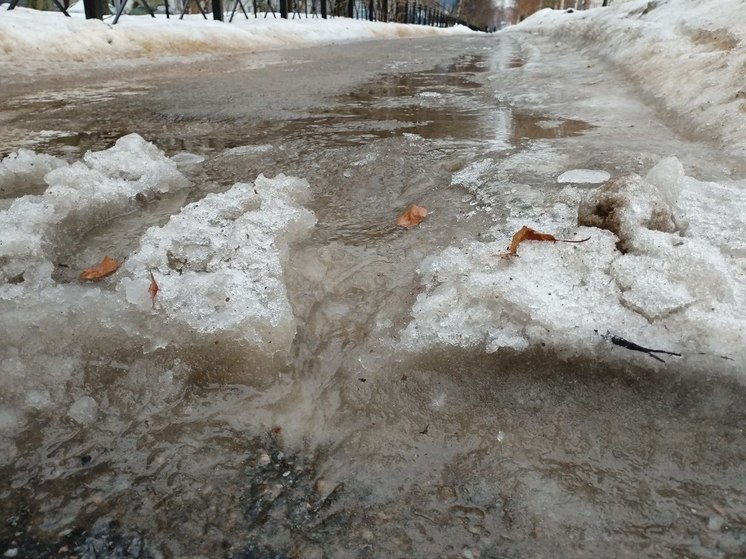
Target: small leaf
[153,289]
[412,217]
[528,234]
[105,268]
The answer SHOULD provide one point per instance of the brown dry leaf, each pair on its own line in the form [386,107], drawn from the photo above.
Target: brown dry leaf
[153,289]
[412,217]
[528,234]
[105,268]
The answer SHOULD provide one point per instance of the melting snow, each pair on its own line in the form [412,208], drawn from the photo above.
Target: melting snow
[219,264]
[680,283]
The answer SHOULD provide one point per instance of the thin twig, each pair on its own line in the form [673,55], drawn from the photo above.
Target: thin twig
[626,344]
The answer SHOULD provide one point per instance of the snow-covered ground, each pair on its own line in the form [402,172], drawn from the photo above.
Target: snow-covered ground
[689,55]
[33,38]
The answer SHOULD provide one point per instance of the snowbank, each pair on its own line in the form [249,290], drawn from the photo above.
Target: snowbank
[29,36]
[690,55]
[218,263]
[678,283]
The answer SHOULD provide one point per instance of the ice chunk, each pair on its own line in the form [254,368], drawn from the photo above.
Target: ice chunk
[78,197]
[219,263]
[624,205]
[583,176]
[668,177]
[22,172]
[84,410]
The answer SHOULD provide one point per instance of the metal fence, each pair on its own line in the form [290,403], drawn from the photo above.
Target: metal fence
[418,12]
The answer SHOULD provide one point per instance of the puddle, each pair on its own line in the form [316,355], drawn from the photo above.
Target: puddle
[516,62]
[528,126]
[434,104]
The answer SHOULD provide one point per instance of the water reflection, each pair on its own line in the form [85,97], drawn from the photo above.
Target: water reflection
[434,104]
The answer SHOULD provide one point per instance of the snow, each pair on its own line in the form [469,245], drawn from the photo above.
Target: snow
[219,264]
[78,196]
[665,261]
[32,39]
[688,55]
[678,283]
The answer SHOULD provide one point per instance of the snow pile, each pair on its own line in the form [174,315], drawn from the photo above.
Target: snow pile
[24,170]
[219,263]
[78,197]
[29,35]
[680,285]
[690,55]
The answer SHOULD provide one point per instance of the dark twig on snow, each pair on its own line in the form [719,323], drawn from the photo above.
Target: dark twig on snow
[626,344]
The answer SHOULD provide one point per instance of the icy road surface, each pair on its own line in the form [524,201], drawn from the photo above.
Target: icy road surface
[310,380]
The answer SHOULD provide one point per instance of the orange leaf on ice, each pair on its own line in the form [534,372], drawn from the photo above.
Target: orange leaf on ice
[412,217]
[153,289]
[528,234]
[105,268]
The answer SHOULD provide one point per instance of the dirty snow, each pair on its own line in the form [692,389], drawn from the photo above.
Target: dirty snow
[666,278]
[218,264]
[665,263]
[687,55]
[30,38]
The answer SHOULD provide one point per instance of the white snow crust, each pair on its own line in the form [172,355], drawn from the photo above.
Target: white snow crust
[586,176]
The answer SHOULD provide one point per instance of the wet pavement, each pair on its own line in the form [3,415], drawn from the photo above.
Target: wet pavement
[347,450]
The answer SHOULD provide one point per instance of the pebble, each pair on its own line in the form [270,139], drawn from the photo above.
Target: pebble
[446,493]
[367,535]
[11,552]
[715,523]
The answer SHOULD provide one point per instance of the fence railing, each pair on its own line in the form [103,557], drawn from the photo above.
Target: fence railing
[416,12]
